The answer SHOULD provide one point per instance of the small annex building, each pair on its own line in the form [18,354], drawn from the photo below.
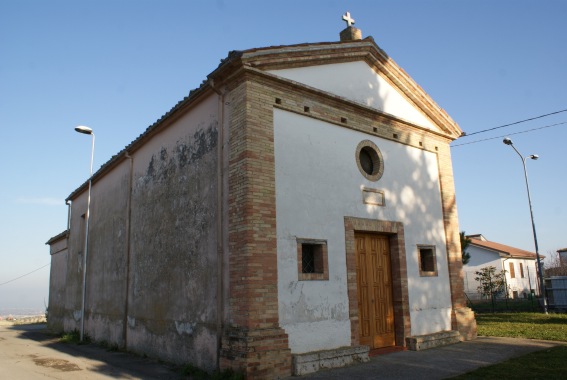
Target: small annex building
[293,212]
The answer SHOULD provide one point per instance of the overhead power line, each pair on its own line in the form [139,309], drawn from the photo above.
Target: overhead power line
[509,134]
[24,275]
[507,125]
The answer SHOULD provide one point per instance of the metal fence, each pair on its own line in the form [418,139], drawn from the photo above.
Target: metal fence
[556,288]
[503,304]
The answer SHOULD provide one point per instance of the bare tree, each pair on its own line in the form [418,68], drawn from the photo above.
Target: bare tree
[554,266]
[491,283]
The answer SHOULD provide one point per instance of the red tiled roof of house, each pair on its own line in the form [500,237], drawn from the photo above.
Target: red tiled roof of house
[504,249]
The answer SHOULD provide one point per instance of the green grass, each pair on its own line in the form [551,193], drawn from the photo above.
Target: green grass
[546,364]
[524,325]
[74,337]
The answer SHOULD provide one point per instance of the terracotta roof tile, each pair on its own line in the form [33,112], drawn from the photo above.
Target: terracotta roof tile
[504,249]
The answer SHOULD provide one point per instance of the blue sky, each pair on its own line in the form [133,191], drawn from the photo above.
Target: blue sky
[117,66]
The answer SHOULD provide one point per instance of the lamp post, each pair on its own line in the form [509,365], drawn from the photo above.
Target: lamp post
[86,131]
[508,141]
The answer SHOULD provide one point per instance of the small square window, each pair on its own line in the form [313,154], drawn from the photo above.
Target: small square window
[427,261]
[312,259]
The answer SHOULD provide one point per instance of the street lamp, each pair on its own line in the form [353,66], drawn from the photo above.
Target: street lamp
[86,131]
[507,141]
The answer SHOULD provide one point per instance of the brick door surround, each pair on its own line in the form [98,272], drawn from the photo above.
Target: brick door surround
[395,232]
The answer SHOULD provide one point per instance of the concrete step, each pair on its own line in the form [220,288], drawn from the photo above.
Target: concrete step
[423,342]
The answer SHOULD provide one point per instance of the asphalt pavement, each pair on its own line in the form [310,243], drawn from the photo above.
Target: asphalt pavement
[28,352]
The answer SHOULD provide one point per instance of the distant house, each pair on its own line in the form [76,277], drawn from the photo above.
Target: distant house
[520,266]
[562,256]
[558,268]
[556,282]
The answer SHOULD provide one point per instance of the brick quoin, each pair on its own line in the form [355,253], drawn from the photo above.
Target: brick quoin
[253,342]
[462,318]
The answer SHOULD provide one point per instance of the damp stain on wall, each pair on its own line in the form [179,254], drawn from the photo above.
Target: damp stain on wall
[174,219]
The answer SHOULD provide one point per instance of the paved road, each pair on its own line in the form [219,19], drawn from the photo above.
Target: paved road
[27,353]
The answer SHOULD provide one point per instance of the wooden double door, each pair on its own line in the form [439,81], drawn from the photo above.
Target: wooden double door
[374,282]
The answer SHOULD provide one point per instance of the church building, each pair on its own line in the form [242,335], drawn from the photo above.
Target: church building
[294,212]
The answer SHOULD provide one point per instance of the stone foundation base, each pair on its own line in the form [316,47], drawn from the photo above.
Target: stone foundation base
[423,342]
[314,361]
[258,353]
[466,323]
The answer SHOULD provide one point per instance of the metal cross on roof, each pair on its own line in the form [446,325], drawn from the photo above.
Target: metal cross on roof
[349,20]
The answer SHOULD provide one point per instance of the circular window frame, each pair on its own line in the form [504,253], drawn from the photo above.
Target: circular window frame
[377,160]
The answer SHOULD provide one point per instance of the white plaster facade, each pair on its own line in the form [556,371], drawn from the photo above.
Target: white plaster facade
[318,183]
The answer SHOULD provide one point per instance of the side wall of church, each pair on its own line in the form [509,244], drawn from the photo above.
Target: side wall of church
[152,254]
[172,309]
[106,258]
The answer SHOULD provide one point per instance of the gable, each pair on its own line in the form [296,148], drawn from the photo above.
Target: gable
[358,82]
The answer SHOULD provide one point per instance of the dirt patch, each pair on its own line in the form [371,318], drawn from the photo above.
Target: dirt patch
[58,364]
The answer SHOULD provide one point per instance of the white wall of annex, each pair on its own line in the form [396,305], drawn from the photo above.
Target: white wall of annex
[480,258]
[317,184]
[358,82]
[522,283]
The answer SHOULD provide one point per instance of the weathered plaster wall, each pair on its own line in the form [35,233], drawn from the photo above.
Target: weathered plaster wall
[57,283]
[73,287]
[358,82]
[173,274]
[106,258]
[317,185]
[152,255]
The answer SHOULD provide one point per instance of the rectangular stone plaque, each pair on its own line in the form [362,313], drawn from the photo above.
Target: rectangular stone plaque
[373,197]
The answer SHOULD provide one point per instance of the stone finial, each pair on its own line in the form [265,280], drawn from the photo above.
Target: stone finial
[350,33]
